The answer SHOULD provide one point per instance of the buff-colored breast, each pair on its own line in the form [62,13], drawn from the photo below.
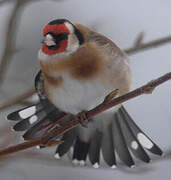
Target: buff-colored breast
[86,63]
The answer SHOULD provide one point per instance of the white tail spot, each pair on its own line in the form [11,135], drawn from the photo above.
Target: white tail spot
[82,163]
[57,156]
[33,119]
[113,166]
[144,141]
[27,112]
[70,27]
[96,165]
[75,161]
[134,145]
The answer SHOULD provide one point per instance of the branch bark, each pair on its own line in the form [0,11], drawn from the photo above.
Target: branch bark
[149,45]
[139,39]
[147,88]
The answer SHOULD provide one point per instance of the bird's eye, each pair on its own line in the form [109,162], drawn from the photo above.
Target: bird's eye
[60,37]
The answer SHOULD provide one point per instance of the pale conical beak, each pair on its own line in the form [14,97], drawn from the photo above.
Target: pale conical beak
[49,40]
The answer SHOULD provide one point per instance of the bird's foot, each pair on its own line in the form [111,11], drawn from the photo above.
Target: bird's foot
[111,95]
[82,117]
[150,88]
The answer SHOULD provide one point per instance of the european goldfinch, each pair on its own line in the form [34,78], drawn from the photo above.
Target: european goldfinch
[79,68]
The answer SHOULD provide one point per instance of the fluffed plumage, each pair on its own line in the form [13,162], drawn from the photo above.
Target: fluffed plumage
[79,68]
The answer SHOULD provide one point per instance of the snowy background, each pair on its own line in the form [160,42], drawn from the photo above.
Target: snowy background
[121,21]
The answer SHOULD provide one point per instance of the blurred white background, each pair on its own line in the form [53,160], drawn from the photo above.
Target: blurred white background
[121,21]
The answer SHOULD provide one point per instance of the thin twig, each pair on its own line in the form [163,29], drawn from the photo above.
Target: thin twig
[66,126]
[149,45]
[11,34]
[17,99]
[9,41]
[10,48]
[139,39]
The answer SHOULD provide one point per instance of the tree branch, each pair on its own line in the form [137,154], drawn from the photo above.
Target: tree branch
[149,45]
[9,40]
[66,126]
[11,35]
[139,39]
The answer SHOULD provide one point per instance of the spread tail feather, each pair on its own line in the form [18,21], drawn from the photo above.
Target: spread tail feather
[68,139]
[35,119]
[31,115]
[143,139]
[108,147]
[94,149]
[80,150]
[120,142]
[121,135]
[32,120]
[131,140]
[25,112]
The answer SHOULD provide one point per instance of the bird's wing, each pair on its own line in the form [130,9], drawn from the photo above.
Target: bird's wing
[101,40]
[39,86]
[35,120]
[117,62]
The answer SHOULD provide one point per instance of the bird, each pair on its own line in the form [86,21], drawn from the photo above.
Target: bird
[79,68]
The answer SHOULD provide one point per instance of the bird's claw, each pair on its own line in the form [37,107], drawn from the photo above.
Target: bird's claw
[150,88]
[111,95]
[82,117]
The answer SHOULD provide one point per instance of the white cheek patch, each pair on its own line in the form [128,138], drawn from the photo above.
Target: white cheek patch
[144,141]
[27,112]
[45,57]
[73,43]
[70,27]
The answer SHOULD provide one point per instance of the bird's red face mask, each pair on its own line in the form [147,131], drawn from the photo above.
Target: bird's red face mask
[56,38]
